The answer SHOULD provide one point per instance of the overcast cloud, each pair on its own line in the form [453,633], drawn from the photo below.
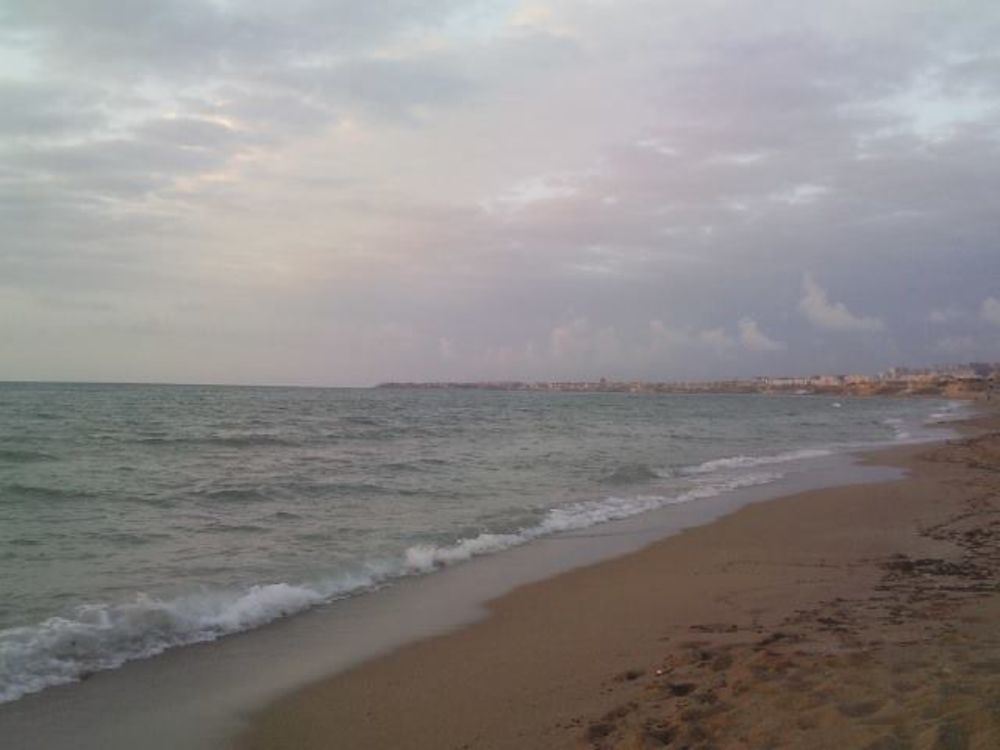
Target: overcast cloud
[344,192]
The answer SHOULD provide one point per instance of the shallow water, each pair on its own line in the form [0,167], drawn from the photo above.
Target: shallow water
[137,518]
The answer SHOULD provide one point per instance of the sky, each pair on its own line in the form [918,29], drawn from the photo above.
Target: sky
[343,192]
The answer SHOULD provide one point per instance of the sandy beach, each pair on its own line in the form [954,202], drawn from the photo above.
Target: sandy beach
[861,616]
[499,374]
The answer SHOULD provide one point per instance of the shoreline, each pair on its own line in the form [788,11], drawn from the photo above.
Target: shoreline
[604,675]
[199,696]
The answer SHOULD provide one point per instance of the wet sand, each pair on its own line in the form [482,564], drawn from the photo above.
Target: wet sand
[863,616]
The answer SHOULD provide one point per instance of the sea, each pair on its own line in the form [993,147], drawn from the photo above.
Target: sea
[140,518]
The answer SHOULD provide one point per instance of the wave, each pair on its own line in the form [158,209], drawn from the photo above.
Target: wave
[745,462]
[105,636]
[951,412]
[95,637]
[14,456]
[219,527]
[633,474]
[36,492]
[898,428]
[572,517]
[363,421]
[252,440]
[235,495]
[248,495]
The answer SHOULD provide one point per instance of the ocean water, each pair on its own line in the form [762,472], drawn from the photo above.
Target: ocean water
[134,519]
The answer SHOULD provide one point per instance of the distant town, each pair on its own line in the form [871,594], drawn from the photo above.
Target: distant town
[972,380]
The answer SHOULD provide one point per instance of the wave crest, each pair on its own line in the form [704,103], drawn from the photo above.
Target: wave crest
[104,636]
[424,558]
[633,474]
[745,462]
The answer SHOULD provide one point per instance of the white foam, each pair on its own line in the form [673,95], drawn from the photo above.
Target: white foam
[96,637]
[898,428]
[104,636]
[423,558]
[744,462]
[953,411]
[572,517]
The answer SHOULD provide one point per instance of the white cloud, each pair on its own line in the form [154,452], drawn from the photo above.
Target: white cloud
[800,195]
[475,170]
[578,339]
[945,315]
[755,340]
[716,339]
[832,316]
[738,159]
[990,311]
[538,189]
[662,337]
[657,146]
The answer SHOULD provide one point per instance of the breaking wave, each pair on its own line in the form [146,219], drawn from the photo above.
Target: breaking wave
[634,473]
[898,428]
[572,517]
[95,637]
[744,462]
[952,412]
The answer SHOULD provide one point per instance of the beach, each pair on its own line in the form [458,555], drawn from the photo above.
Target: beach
[499,374]
[857,616]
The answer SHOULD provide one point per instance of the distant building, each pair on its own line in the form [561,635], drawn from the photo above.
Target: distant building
[859,379]
[826,381]
[786,382]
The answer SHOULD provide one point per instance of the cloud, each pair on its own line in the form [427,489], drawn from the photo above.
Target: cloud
[945,315]
[755,340]
[47,109]
[715,339]
[525,193]
[196,38]
[304,173]
[577,340]
[990,311]
[663,338]
[800,195]
[832,316]
[395,89]
[187,132]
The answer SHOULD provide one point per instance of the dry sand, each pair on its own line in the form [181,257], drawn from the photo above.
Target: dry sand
[858,617]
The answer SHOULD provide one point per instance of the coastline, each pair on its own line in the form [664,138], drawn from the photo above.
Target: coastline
[796,608]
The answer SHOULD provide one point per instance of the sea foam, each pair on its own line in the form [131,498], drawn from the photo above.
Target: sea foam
[572,517]
[744,462]
[95,637]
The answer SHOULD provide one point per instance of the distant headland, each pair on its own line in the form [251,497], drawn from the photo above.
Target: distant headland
[972,380]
